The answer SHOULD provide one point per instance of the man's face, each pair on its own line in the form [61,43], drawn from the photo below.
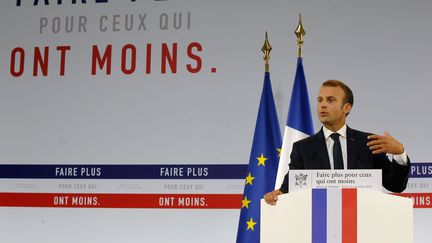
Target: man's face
[331,108]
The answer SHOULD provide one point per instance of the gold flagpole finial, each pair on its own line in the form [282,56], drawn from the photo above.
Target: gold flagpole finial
[266,50]
[300,32]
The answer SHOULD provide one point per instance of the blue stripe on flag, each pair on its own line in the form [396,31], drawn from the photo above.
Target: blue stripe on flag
[319,216]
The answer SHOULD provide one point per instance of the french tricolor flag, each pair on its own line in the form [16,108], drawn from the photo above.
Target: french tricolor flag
[299,121]
[334,216]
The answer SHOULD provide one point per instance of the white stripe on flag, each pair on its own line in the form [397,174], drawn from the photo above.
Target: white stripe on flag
[334,216]
[291,135]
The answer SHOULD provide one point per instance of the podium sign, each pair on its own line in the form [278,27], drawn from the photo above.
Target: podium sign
[347,215]
[367,179]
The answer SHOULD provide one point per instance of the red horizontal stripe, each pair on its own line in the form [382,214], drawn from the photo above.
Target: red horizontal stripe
[420,199]
[96,200]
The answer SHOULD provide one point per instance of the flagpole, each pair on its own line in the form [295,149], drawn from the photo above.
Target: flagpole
[266,49]
[300,32]
[299,120]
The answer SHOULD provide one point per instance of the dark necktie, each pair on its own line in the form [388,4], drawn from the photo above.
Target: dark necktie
[337,152]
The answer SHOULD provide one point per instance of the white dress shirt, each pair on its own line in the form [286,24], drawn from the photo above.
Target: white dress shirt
[401,159]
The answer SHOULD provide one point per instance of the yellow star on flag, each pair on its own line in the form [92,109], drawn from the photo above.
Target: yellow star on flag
[245,202]
[250,224]
[280,151]
[261,160]
[249,179]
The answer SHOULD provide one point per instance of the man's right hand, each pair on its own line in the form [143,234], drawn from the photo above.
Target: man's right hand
[272,197]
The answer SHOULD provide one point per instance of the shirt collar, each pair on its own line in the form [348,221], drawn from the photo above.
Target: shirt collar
[341,131]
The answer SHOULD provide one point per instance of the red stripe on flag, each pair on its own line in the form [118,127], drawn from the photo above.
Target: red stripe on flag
[96,200]
[420,199]
[349,215]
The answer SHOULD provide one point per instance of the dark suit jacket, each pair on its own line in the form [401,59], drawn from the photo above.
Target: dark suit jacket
[311,153]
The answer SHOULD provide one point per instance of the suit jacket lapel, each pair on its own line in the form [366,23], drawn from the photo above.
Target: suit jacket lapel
[323,162]
[352,149]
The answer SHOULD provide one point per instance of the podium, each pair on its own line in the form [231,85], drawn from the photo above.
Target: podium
[349,215]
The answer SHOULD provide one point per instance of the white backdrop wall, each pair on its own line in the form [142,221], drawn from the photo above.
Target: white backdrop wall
[381,49]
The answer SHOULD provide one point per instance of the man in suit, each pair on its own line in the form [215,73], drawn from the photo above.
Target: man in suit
[336,146]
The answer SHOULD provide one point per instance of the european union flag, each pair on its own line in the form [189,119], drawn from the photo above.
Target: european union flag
[263,165]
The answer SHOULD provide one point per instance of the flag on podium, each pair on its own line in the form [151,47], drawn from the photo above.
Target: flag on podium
[263,164]
[299,121]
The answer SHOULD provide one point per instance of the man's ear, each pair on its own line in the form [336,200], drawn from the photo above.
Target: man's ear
[347,108]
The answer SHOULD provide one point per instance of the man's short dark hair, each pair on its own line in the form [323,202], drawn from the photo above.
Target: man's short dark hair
[349,97]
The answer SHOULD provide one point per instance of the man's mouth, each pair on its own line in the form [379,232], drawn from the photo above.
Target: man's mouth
[323,113]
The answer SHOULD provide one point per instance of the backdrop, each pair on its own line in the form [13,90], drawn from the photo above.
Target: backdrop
[132,121]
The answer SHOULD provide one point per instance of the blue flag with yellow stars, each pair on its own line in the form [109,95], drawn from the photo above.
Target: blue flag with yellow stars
[263,165]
